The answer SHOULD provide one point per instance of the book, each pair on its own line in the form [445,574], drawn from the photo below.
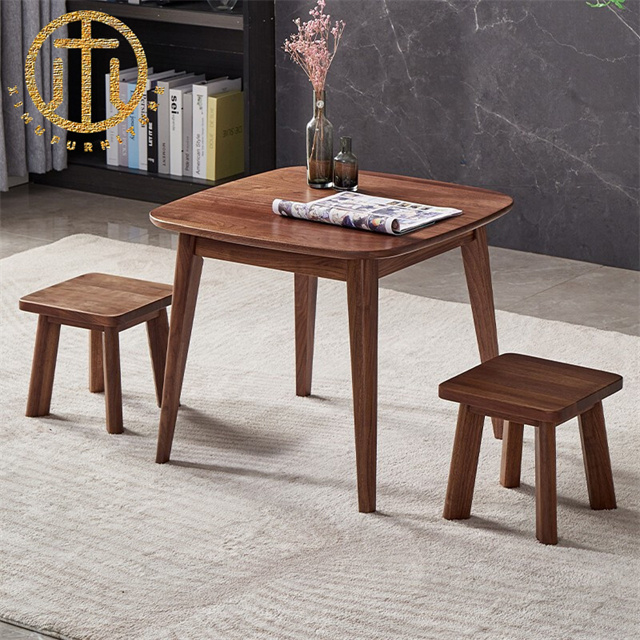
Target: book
[152,134]
[225,135]
[369,213]
[200,105]
[176,137]
[123,159]
[164,115]
[111,110]
[132,142]
[141,110]
[187,133]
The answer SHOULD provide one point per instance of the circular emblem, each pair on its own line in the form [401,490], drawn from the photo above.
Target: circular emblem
[86,43]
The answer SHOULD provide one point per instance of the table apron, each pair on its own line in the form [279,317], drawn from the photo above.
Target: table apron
[319,266]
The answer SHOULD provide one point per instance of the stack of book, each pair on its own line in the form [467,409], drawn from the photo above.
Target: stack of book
[185,125]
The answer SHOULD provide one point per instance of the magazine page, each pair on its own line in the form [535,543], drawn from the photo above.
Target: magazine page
[370,213]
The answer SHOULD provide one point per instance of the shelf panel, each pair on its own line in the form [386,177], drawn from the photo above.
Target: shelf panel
[94,175]
[197,14]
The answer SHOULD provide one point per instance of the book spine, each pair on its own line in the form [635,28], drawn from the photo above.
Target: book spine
[141,134]
[152,136]
[112,132]
[132,142]
[200,132]
[163,129]
[212,112]
[175,132]
[122,128]
[187,134]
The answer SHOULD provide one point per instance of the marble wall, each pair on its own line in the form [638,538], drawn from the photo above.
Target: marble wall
[536,98]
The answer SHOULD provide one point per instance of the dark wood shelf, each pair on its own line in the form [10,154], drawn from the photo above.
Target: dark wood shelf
[185,36]
[87,173]
[192,13]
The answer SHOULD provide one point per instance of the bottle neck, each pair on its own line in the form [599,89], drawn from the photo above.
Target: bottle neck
[319,104]
[345,145]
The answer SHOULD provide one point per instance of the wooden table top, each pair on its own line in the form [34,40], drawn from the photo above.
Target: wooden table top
[240,212]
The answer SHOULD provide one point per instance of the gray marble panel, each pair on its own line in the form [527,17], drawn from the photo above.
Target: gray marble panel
[536,98]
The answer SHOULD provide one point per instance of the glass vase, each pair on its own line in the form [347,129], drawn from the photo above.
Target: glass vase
[319,145]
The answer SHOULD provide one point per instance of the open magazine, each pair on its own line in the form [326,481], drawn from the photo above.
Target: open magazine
[370,213]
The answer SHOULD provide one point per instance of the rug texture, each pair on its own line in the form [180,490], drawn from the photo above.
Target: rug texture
[252,531]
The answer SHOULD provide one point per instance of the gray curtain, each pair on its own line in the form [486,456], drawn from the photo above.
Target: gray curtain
[21,150]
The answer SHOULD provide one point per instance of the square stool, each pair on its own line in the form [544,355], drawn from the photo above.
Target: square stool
[104,304]
[542,393]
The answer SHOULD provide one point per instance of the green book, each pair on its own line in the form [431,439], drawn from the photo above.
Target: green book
[225,135]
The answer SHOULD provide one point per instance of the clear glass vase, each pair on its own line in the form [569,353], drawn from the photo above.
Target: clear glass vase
[319,145]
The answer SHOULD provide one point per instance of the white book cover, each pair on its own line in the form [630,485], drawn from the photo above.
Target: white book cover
[187,133]
[200,95]
[141,110]
[164,115]
[110,111]
[176,146]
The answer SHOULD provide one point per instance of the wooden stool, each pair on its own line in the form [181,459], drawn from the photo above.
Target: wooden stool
[525,390]
[105,305]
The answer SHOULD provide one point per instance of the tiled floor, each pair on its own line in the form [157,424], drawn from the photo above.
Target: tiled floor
[526,283]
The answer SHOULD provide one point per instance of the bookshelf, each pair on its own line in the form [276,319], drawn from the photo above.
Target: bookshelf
[186,36]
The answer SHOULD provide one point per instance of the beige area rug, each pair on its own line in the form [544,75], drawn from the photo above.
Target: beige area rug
[252,532]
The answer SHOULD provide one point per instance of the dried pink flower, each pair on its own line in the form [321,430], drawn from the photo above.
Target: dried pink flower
[310,47]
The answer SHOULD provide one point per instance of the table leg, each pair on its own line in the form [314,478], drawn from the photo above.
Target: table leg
[306,290]
[477,270]
[362,294]
[185,294]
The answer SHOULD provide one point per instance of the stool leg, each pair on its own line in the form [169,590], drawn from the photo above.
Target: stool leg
[96,366]
[113,389]
[158,333]
[546,496]
[43,368]
[464,465]
[511,462]
[597,463]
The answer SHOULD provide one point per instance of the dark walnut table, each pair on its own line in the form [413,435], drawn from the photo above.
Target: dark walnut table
[235,222]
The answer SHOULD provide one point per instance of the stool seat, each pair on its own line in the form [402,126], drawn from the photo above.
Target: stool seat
[99,299]
[530,390]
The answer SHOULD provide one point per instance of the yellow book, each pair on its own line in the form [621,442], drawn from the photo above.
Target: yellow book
[225,135]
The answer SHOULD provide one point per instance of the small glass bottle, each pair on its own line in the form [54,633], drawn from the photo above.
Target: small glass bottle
[345,167]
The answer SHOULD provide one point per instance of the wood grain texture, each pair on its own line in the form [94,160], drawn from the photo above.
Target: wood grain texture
[333,268]
[546,495]
[43,368]
[239,212]
[186,283]
[477,270]
[511,461]
[158,335]
[362,295]
[96,365]
[306,292]
[530,390]
[464,465]
[112,381]
[597,463]
[99,300]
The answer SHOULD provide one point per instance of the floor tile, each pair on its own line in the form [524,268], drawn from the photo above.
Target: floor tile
[516,275]
[607,298]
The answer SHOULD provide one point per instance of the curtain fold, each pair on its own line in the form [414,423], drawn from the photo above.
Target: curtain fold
[21,150]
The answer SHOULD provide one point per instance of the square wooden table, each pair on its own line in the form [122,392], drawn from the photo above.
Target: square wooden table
[235,222]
